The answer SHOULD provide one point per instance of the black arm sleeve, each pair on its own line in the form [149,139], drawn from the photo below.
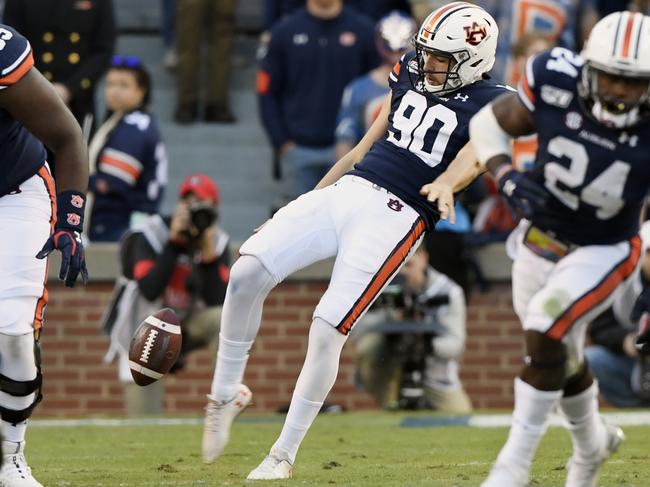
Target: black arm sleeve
[155,281]
[606,332]
[213,279]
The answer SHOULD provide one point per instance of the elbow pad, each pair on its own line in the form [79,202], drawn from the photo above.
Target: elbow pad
[487,136]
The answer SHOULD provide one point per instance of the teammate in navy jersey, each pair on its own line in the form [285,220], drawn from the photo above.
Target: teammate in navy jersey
[578,246]
[32,214]
[371,218]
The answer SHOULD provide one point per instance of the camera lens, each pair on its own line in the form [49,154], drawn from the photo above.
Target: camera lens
[202,216]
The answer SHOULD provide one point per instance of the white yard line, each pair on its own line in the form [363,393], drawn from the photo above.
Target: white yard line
[622,418]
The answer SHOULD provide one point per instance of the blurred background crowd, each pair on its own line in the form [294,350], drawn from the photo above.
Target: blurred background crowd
[218,112]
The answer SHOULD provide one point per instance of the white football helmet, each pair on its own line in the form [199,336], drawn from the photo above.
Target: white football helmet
[619,45]
[463,32]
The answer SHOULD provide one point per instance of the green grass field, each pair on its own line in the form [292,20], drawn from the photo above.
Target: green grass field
[359,449]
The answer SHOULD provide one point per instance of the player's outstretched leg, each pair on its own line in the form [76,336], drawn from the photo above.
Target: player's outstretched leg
[593,440]
[316,378]
[19,393]
[249,285]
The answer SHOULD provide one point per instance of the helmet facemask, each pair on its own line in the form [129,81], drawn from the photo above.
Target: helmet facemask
[610,110]
[452,79]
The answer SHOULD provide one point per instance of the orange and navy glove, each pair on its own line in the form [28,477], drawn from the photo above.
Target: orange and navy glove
[522,193]
[66,237]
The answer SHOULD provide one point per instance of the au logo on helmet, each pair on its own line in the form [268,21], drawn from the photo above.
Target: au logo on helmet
[475,33]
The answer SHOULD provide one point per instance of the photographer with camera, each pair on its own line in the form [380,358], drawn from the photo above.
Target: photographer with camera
[409,343]
[618,354]
[180,262]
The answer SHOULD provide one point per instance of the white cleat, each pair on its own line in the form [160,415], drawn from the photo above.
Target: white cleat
[584,473]
[15,472]
[272,468]
[502,475]
[218,420]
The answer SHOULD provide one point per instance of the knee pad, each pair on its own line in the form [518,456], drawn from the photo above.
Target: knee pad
[20,389]
[19,358]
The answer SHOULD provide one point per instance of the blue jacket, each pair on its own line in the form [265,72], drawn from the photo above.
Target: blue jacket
[133,166]
[305,70]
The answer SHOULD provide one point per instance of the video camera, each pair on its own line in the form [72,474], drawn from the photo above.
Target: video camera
[410,337]
[396,295]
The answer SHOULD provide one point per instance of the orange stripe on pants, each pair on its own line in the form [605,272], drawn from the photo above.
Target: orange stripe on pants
[381,277]
[42,301]
[595,296]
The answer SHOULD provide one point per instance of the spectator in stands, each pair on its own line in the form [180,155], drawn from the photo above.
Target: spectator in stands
[168,31]
[318,49]
[274,10]
[181,262]
[623,375]
[128,163]
[73,44]
[566,22]
[363,97]
[212,21]
[419,293]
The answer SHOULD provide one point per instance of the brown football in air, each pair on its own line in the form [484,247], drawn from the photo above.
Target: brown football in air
[155,346]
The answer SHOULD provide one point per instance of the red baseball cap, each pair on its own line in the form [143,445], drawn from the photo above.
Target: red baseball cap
[202,186]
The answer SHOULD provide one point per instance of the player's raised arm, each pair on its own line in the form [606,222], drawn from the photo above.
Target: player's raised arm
[491,131]
[375,132]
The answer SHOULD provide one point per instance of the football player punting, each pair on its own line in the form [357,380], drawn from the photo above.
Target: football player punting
[31,214]
[370,211]
[578,245]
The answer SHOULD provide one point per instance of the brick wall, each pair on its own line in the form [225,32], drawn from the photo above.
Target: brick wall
[77,382]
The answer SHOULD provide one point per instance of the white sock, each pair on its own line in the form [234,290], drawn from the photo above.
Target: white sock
[301,415]
[15,433]
[229,371]
[529,423]
[316,379]
[247,289]
[583,421]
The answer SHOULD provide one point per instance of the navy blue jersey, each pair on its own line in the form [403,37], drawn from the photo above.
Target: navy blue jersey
[425,132]
[597,177]
[21,154]
[132,168]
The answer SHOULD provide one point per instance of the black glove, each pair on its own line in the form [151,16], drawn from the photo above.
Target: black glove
[66,238]
[641,314]
[522,193]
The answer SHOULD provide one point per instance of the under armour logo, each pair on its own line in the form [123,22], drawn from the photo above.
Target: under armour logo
[631,141]
[475,33]
[460,97]
[395,205]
